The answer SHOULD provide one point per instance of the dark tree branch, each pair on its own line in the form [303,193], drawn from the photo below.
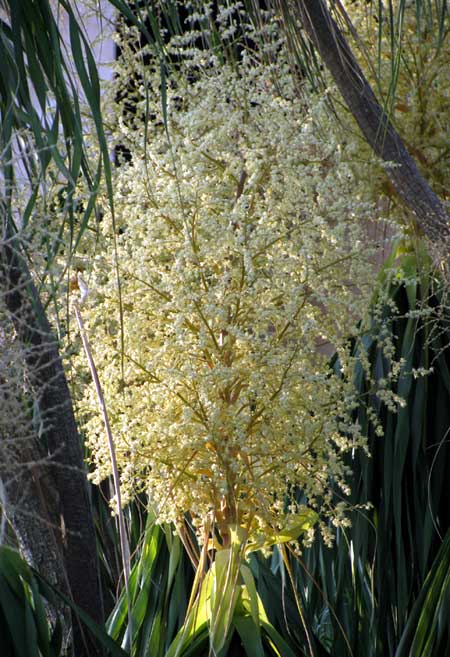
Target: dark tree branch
[409,183]
[64,454]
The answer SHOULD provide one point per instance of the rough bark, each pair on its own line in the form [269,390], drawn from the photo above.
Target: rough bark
[31,505]
[409,183]
[64,457]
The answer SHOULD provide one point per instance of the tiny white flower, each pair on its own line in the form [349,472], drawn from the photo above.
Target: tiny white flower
[83,287]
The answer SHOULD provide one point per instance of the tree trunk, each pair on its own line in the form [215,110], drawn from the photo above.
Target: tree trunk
[409,183]
[63,457]
[31,504]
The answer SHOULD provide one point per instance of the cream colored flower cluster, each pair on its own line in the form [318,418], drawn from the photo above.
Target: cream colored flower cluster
[241,251]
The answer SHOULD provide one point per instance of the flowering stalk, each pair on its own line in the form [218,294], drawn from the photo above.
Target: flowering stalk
[242,251]
[124,547]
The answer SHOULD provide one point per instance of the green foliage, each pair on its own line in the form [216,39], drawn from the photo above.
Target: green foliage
[390,566]
[42,135]
[24,629]
[427,631]
[160,585]
[25,600]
